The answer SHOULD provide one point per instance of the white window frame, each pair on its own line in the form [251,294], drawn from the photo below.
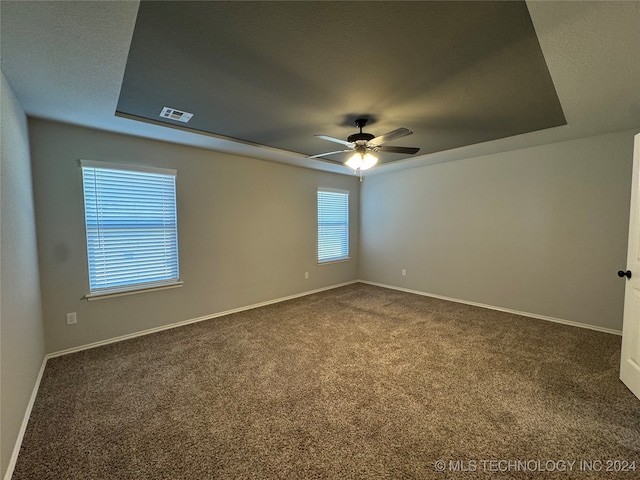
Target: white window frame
[137,286]
[345,255]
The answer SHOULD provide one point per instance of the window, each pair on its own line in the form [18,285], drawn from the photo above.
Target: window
[333,225]
[132,230]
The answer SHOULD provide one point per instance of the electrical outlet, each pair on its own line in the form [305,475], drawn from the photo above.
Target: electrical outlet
[404,272]
[306,275]
[72,319]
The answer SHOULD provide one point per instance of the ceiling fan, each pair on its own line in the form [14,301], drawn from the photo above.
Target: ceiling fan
[364,144]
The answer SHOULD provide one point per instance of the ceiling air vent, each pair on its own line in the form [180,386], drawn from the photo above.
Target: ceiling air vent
[173,114]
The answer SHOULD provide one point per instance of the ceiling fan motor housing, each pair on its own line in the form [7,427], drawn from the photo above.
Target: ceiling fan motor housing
[360,137]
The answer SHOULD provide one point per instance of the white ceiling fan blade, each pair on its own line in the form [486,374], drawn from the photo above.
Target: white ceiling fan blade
[394,149]
[336,140]
[328,153]
[392,135]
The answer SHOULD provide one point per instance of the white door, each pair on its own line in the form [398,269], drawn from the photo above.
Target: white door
[630,361]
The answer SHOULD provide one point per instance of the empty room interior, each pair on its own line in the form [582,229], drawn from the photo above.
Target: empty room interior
[320,239]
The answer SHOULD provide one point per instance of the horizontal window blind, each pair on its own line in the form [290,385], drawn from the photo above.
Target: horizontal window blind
[333,225]
[131,224]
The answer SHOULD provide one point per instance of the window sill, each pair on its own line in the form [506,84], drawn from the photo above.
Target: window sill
[90,297]
[340,260]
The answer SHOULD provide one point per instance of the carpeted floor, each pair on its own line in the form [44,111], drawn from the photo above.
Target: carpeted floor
[356,382]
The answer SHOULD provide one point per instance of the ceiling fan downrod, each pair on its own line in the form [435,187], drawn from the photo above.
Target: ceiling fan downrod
[360,138]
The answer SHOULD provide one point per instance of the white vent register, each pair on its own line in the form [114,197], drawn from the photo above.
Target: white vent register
[173,114]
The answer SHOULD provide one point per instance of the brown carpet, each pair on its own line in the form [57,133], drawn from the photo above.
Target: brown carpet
[356,382]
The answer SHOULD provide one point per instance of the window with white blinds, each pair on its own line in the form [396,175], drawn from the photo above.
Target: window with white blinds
[131,224]
[333,225]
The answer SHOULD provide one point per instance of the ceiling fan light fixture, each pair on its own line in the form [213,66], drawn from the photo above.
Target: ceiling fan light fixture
[361,161]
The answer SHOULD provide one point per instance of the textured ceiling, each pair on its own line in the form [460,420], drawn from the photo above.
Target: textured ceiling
[66,62]
[276,73]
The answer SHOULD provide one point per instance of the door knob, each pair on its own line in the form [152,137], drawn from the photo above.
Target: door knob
[622,273]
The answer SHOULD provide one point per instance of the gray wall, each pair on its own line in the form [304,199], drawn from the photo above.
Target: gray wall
[21,332]
[540,230]
[247,233]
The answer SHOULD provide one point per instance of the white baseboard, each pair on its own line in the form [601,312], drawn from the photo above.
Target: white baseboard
[25,420]
[191,320]
[500,309]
